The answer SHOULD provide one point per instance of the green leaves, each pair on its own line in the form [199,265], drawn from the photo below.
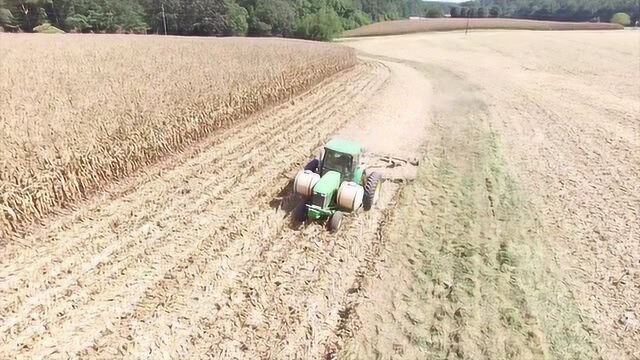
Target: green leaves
[621,18]
[279,14]
[237,19]
[323,25]
[6,18]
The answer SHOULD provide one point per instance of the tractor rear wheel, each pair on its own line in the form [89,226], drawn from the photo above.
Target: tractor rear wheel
[313,165]
[372,190]
[336,221]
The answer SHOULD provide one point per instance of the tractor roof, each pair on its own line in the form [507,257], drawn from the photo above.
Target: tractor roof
[344,146]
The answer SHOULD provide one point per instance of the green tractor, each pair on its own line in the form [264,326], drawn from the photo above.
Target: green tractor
[335,183]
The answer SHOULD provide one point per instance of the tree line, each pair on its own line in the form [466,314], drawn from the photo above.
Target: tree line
[558,10]
[311,19]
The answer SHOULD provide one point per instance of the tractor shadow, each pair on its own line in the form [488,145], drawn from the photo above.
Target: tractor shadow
[288,202]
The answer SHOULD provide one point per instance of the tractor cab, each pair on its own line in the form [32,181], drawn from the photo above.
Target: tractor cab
[342,157]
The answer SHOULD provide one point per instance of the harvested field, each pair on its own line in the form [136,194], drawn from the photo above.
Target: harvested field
[517,239]
[100,108]
[399,27]
[520,237]
[198,257]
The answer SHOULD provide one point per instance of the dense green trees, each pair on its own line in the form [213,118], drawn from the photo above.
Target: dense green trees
[561,10]
[317,19]
[236,20]
[494,11]
[322,25]
[74,15]
[6,17]
[434,12]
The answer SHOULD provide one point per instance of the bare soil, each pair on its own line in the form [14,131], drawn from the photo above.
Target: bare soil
[520,238]
[517,239]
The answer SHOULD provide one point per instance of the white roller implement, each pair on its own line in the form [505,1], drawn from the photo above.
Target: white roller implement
[350,196]
[304,182]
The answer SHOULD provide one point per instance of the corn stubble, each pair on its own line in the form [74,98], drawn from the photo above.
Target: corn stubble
[77,112]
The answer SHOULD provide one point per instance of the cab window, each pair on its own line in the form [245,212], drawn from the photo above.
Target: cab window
[337,162]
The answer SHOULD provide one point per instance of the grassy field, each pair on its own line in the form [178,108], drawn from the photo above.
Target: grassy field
[425,25]
[99,108]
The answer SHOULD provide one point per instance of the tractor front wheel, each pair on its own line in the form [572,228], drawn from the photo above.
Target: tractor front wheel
[336,221]
[372,190]
[300,213]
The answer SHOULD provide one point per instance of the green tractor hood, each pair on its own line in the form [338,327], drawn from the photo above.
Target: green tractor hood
[322,205]
[328,184]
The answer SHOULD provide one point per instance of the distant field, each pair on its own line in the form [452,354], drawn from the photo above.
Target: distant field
[424,25]
[88,109]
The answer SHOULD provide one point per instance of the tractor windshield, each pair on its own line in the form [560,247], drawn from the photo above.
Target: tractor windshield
[337,162]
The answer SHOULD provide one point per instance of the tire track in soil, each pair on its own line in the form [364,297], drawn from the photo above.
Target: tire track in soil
[154,310]
[68,325]
[292,301]
[295,295]
[117,249]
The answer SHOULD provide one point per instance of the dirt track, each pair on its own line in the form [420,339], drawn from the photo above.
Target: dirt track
[197,256]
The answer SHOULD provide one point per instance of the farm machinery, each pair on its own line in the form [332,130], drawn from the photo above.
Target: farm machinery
[338,182]
[335,183]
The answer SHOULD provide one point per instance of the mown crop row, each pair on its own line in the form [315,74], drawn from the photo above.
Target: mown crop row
[425,25]
[77,112]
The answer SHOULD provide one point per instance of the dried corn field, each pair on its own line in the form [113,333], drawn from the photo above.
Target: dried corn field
[87,110]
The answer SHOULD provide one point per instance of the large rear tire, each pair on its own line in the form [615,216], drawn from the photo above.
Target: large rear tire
[313,165]
[336,221]
[372,190]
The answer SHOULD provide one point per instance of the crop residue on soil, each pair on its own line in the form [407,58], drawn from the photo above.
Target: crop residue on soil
[518,238]
[563,110]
